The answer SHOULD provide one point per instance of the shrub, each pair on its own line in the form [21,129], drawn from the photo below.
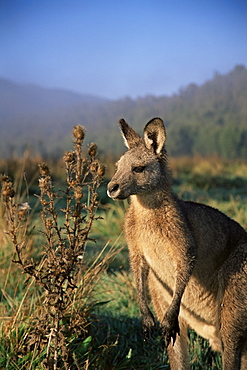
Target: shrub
[59,272]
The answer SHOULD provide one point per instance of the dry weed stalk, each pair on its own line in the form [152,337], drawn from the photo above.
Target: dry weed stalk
[62,266]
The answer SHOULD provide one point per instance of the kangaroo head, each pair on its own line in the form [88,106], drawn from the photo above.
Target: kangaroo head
[141,169]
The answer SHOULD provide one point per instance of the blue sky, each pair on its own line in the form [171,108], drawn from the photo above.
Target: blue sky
[114,48]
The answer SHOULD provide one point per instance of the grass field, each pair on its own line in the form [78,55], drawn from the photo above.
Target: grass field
[106,327]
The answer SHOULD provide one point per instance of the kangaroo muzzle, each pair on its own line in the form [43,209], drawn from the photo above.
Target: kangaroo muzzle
[113,190]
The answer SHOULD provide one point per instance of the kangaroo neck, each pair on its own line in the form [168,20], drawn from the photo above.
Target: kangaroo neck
[155,199]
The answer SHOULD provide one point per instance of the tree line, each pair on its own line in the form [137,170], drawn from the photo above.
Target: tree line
[210,119]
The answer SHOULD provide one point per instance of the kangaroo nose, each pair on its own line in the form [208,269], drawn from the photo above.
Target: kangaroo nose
[112,189]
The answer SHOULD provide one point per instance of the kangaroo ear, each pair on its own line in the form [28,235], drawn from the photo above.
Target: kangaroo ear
[131,138]
[155,135]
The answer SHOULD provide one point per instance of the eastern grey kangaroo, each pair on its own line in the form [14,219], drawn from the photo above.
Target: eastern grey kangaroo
[192,257]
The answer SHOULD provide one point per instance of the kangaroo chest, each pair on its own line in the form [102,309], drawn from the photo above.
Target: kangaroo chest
[151,236]
[157,240]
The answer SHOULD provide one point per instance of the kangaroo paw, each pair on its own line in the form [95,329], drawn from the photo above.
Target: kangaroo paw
[148,326]
[170,329]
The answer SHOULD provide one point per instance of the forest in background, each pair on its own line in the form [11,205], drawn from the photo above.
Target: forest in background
[205,120]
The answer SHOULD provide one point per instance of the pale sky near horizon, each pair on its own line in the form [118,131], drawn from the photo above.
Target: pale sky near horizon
[113,49]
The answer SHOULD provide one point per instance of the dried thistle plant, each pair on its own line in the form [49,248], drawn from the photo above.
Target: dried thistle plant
[66,232]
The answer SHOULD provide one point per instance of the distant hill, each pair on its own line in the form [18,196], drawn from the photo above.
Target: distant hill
[16,99]
[207,119]
[35,117]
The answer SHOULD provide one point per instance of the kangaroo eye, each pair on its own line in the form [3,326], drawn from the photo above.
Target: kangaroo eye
[138,169]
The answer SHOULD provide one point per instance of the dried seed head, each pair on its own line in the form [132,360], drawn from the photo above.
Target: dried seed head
[45,183]
[92,150]
[101,170]
[94,167]
[8,191]
[79,132]
[69,157]
[44,169]
[42,183]
[78,193]
[7,187]
[49,224]
[5,178]
[23,209]
[72,183]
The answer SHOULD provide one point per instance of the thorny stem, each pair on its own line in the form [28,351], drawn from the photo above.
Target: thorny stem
[79,163]
[56,340]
